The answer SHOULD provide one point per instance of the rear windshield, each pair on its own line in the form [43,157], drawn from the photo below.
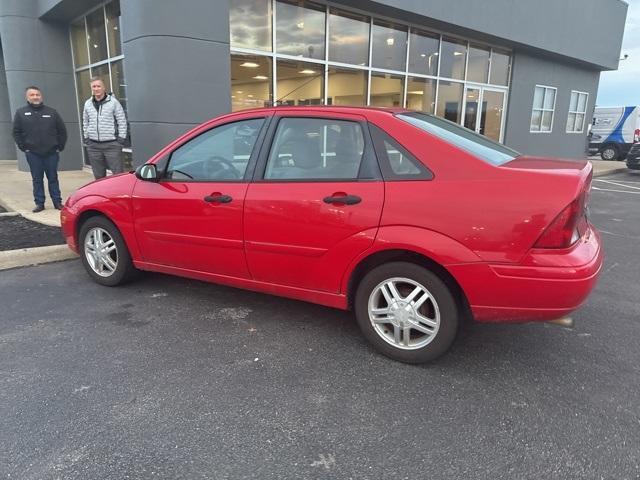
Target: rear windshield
[485,149]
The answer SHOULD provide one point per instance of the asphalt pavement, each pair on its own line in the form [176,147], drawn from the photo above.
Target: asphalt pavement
[179,379]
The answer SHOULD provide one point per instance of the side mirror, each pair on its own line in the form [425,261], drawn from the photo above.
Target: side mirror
[147,172]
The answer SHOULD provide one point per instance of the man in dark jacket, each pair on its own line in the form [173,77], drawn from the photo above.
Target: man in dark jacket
[40,133]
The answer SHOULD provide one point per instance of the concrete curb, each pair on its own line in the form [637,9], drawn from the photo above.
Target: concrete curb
[35,256]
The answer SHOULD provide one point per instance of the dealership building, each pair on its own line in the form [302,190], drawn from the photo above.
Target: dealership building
[523,73]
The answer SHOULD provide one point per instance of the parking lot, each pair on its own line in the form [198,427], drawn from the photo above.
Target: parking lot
[173,378]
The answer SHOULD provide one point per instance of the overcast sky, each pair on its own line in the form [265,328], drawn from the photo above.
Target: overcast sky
[622,87]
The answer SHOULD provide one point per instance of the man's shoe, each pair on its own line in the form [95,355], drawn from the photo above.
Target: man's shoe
[58,206]
[38,208]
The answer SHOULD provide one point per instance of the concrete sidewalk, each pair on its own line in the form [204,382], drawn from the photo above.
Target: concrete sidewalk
[16,193]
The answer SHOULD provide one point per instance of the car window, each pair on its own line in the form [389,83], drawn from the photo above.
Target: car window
[219,154]
[485,149]
[315,148]
[396,162]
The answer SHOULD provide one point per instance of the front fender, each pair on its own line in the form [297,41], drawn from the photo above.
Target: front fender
[428,243]
[117,210]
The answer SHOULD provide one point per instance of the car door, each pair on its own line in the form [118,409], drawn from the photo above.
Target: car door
[192,218]
[315,202]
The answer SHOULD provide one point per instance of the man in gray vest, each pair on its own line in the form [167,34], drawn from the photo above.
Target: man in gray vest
[104,127]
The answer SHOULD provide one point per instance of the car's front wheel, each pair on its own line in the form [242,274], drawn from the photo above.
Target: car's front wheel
[104,253]
[610,152]
[407,312]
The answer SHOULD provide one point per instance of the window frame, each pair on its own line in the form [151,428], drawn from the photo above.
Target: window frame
[248,173]
[543,110]
[368,171]
[578,112]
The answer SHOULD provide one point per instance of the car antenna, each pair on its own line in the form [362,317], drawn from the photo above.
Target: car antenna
[275,103]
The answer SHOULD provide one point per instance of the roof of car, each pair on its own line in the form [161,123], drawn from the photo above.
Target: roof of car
[330,108]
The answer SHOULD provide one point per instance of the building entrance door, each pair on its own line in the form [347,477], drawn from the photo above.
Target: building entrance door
[484,111]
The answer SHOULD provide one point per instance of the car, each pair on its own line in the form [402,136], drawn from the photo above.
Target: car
[414,223]
[633,158]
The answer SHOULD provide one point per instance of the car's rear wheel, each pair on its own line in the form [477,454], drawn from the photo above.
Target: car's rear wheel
[406,312]
[609,152]
[104,253]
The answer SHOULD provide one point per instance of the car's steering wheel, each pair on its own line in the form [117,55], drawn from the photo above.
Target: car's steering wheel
[219,168]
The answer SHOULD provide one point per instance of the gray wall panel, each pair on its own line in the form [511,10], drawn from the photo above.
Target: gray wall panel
[529,71]
[7,147]
[150,138]
[586,30]
[191,88]
[203,19]
[177,75]
[21,8]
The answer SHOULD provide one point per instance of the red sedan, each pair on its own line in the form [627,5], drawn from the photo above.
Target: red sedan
[410,220]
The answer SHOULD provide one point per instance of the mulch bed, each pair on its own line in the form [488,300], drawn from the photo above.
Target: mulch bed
[18,232]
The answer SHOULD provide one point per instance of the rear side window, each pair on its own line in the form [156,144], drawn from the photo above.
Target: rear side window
[395,161]
[315,149]
[481,147]
[219,154]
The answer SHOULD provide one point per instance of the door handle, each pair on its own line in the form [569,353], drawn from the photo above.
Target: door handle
[343,199]
[218,199]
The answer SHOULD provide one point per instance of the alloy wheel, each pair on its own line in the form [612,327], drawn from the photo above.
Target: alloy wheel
[404,313]
[101,252]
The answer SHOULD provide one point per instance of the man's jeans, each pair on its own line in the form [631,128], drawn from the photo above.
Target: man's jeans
[44,165]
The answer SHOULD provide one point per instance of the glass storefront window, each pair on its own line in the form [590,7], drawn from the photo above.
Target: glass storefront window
[251,77]
[348,38]
[450,100]
[97,36]
[387,90]
[300,83]
[500,64]
[453,58]
[388,46]
[478,67]
[250,24]
[347,86]
[79,43]
[421,94]
[300,28]
[83,79]
[112,11]
[423,54]
[118,84]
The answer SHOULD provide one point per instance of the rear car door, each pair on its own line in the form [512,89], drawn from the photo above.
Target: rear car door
[315,202]
[192,218]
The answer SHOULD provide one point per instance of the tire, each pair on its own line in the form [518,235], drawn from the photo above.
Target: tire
[385,312]
[110,265]
[610,152]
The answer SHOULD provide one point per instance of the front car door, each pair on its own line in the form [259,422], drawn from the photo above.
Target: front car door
[315,202]
[192,218]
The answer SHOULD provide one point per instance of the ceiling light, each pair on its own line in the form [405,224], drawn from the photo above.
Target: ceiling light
[416,92]
[300,25]
[260,77]
[238,91]
[390,41]
[250,96]
[307,71]
[250,64]
[423,55]
[458,53]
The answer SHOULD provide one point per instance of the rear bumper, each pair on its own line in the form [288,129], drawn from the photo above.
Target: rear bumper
[546,285]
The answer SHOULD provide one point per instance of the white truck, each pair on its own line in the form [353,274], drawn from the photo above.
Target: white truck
[613,131]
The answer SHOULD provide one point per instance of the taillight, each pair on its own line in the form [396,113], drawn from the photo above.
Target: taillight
[570,225]
[636,136]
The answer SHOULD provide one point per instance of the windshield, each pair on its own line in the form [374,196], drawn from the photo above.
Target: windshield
[485,149]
